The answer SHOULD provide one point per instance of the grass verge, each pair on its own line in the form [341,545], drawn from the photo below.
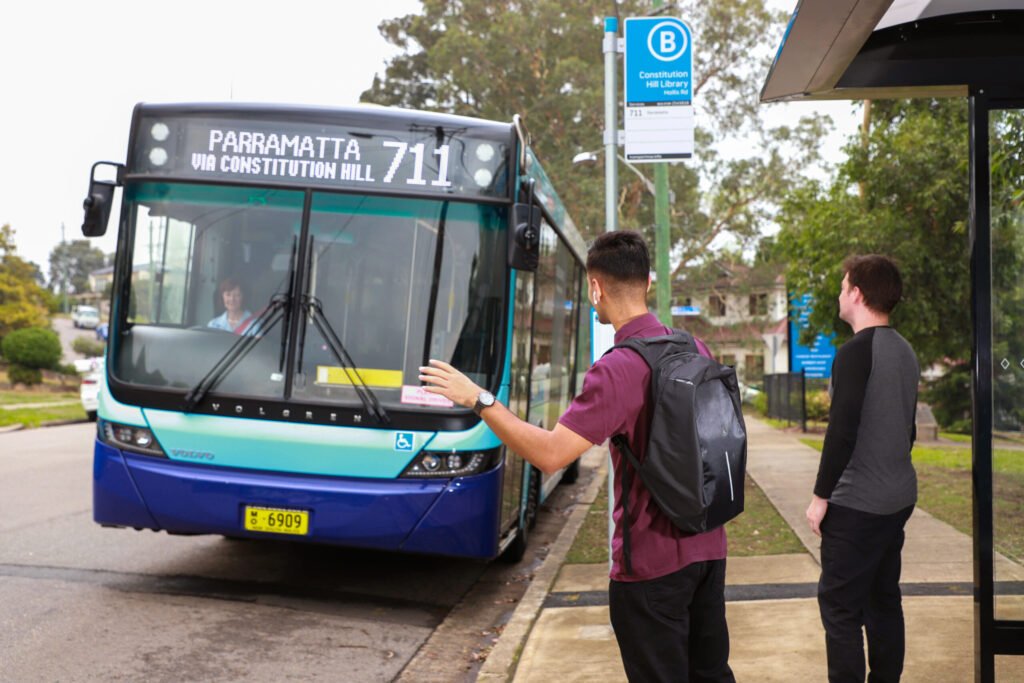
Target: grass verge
[758,531]
[9,397]
[944,491]
[33,417]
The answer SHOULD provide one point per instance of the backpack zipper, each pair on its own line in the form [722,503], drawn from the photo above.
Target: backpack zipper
[728,468]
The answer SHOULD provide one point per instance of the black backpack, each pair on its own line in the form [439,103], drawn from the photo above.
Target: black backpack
[697,447]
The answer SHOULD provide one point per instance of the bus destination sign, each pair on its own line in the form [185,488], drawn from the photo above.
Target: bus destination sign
[420,160]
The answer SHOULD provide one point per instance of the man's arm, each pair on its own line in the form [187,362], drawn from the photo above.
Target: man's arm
[850,372]
[549,451]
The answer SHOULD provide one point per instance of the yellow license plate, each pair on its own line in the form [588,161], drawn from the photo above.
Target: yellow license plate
[277,521]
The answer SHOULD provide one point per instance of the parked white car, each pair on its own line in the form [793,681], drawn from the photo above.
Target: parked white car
[85,316]
[89,390]
[84,366]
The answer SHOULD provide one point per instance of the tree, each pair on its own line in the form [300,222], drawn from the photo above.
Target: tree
[902,191]
[22,300]
[71,263]
[543,59]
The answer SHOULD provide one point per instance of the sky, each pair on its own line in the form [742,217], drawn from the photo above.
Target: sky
[73,71]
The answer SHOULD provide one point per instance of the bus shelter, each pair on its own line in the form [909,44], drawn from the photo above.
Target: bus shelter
[883,49]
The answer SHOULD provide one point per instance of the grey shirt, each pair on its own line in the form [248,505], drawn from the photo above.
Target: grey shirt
[865,462]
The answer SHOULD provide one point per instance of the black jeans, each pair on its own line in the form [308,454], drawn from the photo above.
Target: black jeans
[860,587]
[673,628]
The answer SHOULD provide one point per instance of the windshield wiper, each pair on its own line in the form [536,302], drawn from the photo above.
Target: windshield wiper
[270,316]
[370,402]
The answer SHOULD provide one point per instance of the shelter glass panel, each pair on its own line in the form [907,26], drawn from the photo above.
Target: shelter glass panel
[1006,139]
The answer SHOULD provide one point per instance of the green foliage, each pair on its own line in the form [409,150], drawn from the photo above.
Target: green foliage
[71,263]
[66,369]
[950,399]
[23,302]
[759,402]
[20,374]
[543,59]
[903,192]
[87,347]
[817,403]
[32,347]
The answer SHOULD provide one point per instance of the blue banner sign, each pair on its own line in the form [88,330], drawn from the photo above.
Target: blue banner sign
[815,360]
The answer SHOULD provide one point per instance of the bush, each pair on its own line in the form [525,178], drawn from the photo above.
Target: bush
[19,374]
[32,347]
[759,402]
[950,399]
[87,347]
[66,369]
[818,403]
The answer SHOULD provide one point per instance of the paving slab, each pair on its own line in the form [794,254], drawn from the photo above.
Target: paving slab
[772,641]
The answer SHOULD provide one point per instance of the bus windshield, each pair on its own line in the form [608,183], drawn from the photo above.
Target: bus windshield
[394,281]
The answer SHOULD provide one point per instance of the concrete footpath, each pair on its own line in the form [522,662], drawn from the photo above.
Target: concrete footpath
[561,632]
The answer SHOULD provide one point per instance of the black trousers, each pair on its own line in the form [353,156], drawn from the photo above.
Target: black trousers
[673,628]
[860,588]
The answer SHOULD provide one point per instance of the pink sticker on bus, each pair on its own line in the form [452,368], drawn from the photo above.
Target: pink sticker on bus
[420,396]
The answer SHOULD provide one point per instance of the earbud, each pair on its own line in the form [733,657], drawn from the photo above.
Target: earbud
[594,299]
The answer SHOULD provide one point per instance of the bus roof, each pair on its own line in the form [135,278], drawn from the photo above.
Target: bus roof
[878,49]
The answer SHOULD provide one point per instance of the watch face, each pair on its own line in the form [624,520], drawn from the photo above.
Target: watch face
[486,397]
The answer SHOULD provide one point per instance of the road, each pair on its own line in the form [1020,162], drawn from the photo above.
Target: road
[67,332]
[82,603]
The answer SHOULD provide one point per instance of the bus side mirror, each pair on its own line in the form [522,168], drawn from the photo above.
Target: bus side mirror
[98,202]
[524,237]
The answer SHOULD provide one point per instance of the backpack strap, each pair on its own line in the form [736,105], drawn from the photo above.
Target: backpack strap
[627,482]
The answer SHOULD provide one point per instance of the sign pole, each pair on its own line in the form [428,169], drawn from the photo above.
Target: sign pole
[662,244]
[611,96]
[611,191]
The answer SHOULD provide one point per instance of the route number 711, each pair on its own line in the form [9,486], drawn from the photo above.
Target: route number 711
[417,169]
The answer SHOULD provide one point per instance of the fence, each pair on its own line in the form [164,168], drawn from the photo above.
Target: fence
[786,397]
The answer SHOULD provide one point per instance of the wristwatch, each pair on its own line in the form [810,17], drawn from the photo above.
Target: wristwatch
[484,399]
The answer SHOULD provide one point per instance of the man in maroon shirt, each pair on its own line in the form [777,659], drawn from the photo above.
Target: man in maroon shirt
[669,611]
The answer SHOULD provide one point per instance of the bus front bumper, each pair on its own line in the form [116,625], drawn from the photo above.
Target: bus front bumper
[457,517]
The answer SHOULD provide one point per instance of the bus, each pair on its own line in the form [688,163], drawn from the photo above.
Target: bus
[281,274]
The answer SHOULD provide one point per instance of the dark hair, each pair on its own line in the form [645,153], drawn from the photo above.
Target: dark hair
[878,280]
[229,283]
[620,255]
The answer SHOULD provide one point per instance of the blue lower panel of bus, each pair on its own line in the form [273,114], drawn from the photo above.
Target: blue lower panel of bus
[444,517]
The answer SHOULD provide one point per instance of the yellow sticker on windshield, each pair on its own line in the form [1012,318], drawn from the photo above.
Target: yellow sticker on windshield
[374,377]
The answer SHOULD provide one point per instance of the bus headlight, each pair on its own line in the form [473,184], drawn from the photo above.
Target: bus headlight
[452,463]
[130,438]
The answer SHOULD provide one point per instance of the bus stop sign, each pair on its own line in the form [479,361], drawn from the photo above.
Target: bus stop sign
[658,82]
[658,61]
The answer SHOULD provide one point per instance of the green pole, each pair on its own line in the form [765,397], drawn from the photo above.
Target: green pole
[662,244]
[663,289]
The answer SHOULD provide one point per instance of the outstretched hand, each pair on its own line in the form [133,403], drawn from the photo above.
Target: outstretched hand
[441,378]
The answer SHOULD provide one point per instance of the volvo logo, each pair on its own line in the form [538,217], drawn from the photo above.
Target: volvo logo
[192,455]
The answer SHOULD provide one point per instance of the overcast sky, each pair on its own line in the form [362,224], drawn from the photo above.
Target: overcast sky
[72,71]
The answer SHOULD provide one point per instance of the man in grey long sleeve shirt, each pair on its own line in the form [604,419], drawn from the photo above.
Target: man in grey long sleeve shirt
[866,486]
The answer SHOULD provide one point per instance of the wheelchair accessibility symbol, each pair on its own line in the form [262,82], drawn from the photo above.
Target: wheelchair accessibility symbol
[403,441]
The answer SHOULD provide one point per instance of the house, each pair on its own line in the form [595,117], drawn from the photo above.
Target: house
[740,311]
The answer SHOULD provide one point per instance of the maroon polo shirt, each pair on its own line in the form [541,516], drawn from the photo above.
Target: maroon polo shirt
[614,400]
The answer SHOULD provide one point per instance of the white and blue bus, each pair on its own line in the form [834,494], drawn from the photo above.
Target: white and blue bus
[281,275]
